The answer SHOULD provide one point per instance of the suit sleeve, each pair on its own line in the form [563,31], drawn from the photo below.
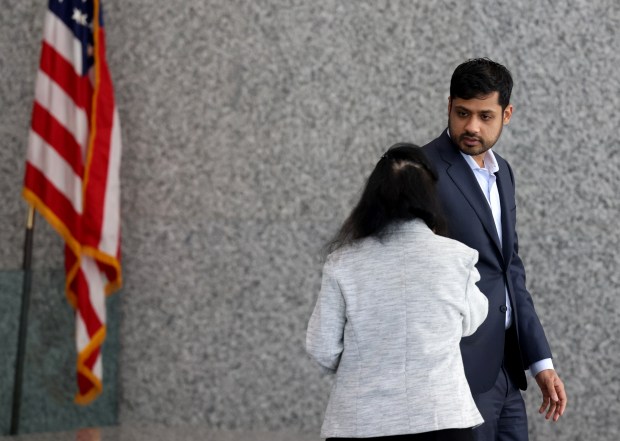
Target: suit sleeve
[476,303]
[325,334]
[532,339]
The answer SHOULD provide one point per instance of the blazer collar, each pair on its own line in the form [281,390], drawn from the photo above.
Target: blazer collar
[414,225]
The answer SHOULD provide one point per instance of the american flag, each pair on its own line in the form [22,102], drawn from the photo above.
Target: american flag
[72,170]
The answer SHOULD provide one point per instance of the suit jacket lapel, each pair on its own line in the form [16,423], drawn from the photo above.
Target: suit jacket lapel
[462,175]
[508,228]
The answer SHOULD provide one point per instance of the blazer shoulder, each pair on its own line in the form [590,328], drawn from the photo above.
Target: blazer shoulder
[438,143]
[350,253]
[457,248]
[440,150]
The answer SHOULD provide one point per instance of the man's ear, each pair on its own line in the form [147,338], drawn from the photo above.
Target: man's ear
[507,114]
[449,105]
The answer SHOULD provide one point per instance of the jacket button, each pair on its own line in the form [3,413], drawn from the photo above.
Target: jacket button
[503,308]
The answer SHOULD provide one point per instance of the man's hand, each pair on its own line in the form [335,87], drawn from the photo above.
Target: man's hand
[554,397]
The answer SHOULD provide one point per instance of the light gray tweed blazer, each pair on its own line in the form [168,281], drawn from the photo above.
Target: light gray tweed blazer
[388,321]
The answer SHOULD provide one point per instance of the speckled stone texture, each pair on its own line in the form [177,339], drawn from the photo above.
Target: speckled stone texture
[249,129]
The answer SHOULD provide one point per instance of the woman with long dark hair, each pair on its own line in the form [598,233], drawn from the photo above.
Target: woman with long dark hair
[395,300]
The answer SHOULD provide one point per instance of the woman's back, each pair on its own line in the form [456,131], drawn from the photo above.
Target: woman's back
[390,317]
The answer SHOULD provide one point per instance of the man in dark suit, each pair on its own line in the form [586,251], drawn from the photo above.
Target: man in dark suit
[477,192]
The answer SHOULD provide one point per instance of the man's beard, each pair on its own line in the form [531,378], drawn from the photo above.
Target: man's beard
[482,147]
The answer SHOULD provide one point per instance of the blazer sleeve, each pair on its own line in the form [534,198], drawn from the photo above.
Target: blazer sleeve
[532,340]
[325,334]
[476,303]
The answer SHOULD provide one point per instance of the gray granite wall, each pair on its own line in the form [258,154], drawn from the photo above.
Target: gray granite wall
[249,128]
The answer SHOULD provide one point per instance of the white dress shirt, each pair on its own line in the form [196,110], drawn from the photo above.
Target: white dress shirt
[488,184]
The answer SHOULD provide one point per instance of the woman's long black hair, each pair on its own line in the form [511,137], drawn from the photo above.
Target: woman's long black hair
[400,188]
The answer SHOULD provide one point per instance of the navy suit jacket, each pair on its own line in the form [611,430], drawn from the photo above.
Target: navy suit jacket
[470,221]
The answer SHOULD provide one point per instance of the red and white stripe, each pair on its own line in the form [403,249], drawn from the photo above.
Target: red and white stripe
[72,178]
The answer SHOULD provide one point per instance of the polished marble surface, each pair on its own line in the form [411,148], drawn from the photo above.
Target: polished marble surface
[162,433]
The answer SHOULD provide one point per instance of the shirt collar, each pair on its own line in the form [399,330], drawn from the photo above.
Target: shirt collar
[490,162]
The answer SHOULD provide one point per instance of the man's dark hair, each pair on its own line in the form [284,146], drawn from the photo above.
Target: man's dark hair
[480,77]
[400,188]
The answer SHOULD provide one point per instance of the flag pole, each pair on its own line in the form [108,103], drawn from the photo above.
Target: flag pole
[23,323]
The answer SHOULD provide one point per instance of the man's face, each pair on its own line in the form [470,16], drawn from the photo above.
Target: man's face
[476,124]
